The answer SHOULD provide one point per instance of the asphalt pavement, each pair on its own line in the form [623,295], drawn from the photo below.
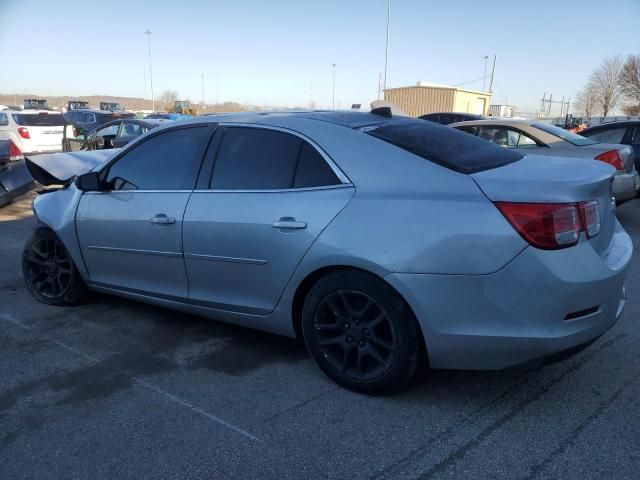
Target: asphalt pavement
[117,389]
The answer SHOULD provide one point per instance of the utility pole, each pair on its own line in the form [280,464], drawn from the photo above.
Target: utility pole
[386,47]
[147,32]
[144,73]
[217,97]
[333,94]
[202,77]
[484,78]
[379,84]
[493,70]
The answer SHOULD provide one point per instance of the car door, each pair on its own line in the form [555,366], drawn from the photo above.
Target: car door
[635,143]
[270,195]
[131,233]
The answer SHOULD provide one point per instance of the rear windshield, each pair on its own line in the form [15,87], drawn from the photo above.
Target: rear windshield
[566,135]
[38,119]
[445,146]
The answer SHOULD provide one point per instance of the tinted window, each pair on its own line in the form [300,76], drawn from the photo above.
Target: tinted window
[313,170]
[443,145]
[566,135]
[169,161]
[255,159]
[38,120]
[609,135]
[3,119]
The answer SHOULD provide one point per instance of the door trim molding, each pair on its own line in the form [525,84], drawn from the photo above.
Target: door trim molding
[136,251]
[217,258]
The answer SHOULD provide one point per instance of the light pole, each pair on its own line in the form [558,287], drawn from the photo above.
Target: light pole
[386,47]
[147,32]
[202,76]
[333,95]
[484,79]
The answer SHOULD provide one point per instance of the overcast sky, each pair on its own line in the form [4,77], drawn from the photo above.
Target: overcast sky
[280,52]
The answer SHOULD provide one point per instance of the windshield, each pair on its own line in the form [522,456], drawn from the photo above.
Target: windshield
[38,120]
[445,146]
[565,135]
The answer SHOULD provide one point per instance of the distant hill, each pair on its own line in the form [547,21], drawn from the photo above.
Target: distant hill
[129,103]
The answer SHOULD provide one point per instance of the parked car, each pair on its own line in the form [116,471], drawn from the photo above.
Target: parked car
[445,118]
[534,137]
[32,131]
[117,133]
[78,105]
[626,133]
[111,106]
[80,122]
[382,241]
[15,179]
[167,116]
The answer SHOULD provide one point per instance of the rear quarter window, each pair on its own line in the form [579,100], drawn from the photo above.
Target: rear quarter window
[443,145]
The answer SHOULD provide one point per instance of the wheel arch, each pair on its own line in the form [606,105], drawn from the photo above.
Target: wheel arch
[311,278]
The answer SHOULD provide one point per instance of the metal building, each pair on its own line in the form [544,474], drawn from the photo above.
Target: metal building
[503,111]
[430,98]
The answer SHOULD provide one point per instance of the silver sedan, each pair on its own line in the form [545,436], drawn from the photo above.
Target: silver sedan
[386,243]
[535,137]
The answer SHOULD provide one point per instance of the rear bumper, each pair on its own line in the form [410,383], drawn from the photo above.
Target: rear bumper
[625,186]
[517,315]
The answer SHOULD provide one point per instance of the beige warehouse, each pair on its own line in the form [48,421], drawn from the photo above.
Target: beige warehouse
[429,98]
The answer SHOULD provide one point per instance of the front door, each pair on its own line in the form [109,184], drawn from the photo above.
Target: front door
[131,234]
[271,194]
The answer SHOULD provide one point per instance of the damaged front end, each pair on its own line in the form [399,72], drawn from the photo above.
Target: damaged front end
[59,168]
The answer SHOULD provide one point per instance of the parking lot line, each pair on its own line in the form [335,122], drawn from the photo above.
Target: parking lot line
[168,396]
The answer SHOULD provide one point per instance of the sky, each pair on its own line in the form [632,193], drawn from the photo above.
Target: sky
[281,52]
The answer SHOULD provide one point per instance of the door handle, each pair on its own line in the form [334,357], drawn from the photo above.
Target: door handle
[289,223]
[162,219]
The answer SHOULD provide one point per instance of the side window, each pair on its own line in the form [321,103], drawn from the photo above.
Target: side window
[471,130]
[636,137]
[609,135]
[110,130]
[169,161]
[131,129]
[3,119]
[526,142]
[313,170]
[255,159]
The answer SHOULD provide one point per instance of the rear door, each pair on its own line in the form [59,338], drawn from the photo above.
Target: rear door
[131,234]
[270,195]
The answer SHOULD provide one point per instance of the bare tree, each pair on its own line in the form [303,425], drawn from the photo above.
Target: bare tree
[169,97]
[586,100]
[631,110]
[606,83]
[630,81]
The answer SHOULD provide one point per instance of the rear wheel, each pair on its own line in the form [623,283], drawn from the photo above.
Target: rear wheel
[361,333]
[49,272]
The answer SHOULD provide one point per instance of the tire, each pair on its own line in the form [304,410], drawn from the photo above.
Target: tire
[49,272]
[361,332]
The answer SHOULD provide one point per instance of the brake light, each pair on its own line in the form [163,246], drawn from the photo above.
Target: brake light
[24,133]
[590,212]
[14,152]
[551,226]
[613,158]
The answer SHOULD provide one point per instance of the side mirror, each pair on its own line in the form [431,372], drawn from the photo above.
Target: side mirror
[89,182]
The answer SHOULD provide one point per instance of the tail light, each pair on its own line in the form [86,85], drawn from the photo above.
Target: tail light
[14,152]
[551,226]
[613,158]
[24,133]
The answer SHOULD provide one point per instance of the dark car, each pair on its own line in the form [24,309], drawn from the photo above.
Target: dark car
[625,133]
[117,133]
[15,179]
[445,118]
[79,123]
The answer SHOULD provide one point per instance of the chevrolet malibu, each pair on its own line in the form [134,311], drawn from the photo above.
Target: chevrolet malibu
[385,242]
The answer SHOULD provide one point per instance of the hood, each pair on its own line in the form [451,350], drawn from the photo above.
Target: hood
[57,168]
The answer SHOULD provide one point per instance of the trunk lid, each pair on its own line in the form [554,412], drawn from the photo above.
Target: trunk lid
[538,179]
[626,152]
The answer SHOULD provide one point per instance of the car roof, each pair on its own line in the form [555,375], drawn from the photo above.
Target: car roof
[496,122]
[344,118]
[91,110]
[619,123]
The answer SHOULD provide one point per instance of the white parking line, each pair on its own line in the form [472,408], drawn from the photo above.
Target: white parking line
[168,396]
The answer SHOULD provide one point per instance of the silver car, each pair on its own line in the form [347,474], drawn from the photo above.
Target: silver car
[535,137]
[386,243]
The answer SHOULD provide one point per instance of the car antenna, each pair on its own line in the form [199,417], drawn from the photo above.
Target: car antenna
[382,111]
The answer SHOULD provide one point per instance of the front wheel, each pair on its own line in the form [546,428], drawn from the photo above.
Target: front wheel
[49,272]
[361,333]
